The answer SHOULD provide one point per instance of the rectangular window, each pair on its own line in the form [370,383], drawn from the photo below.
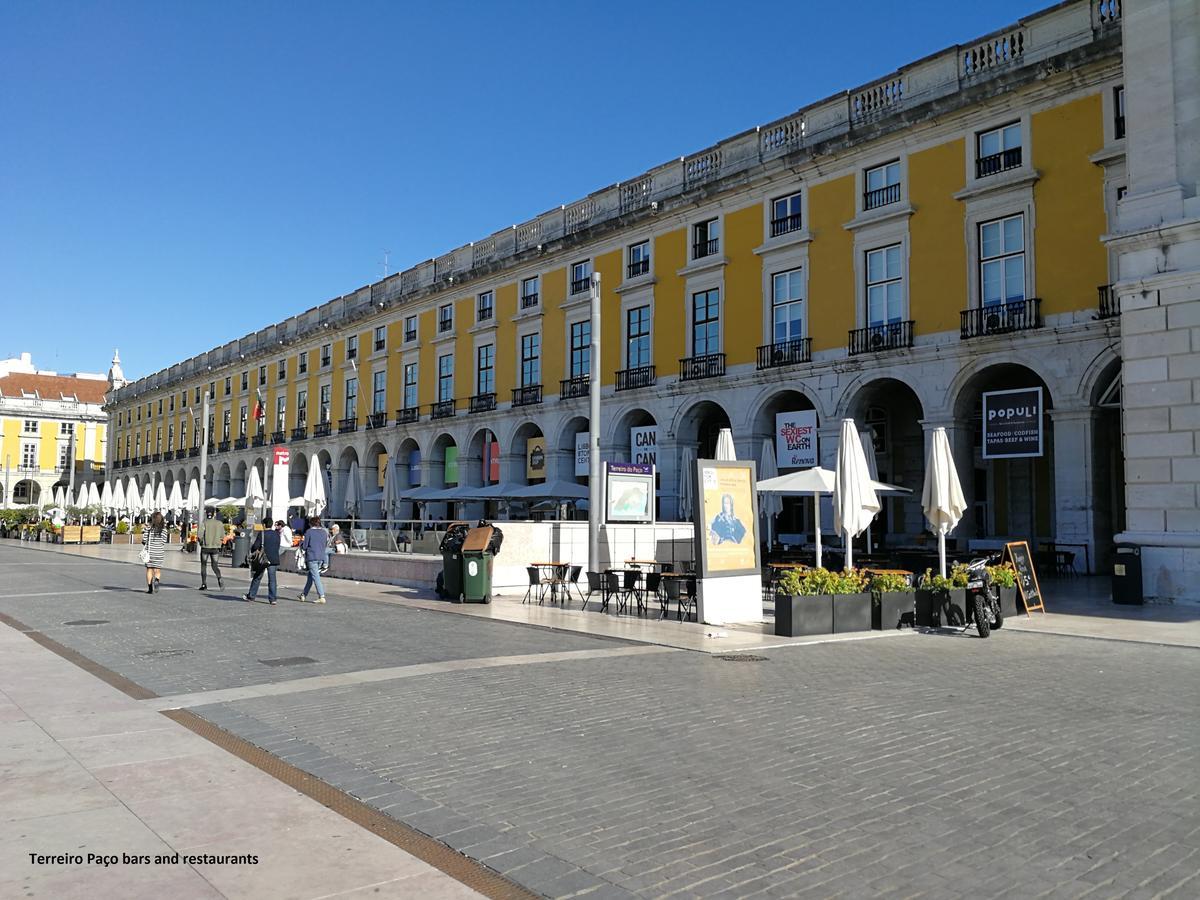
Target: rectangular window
[262,374]
[529,292]
[228,385]
[706,322]
[785,214]
[881,185]
[639,259]
[183,399]
[29,455]
[410,386]
[170,436]
[225,419]
[706,238]
[445,318]
[445,377]
[66,428]
[1119,112]
[171,403]
[581,277]
[64,453]
[998,150]
[885,286]
[581,349]
[410,329]
[31,426]
[137,444]
[326,355]
[379,392]
[280,412]
[183,433]
[531,360]
[160,406]
[301,408]
[380,337]
[485,307]
[302,363]
[325,397]
[158,439]
[787,306]
[242,419]
[352,347]
[485,369]
[212,427]
[1002,260]
[350,410]
[245,382]
[637,337]
[196,398]
[281,372]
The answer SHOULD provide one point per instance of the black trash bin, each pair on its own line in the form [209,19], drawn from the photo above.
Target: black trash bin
[449,584]
[241,550]
[1127,575]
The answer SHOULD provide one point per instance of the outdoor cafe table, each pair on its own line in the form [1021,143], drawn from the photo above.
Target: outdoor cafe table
[642,562]
[556,576]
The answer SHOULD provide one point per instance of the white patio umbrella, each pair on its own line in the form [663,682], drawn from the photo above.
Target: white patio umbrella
[314,491]
[391,493]
[133,499]
[106,498]
[192,503]
[175,499]
[770,505]
[160,497]
[60,496]
[725,449]
[147,503]
[93,496]
[256,497]
[81,499]
[868,443]
[352,492]
[118,497]
[687,467]
[855,502]
[942,498]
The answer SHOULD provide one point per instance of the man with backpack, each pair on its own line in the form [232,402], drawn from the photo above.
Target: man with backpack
[212,535]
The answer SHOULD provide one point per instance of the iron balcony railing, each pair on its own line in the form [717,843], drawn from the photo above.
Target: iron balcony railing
[445,325]
[528,301]
[998,162]
[1108,302]
[881,338]
[638,268]
[701,249]
[223,446]
[348,424]
[577,386]
[377,420]
[168,455]
[639,377]
[300,433]
[709,365]
[410,336]
[785,353]
[1001,318]
[195,451]
[325,361]
[881,196]
[212,448]
[259,440]
[408,415]
[580,285]
[322,429]
[279,437]
[380,343]
[483,314]
[241,443]
[156,458]
[443,409]
[785,224]
[482,403]
[528,395]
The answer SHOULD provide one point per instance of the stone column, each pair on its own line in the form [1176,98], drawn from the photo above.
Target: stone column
[1074,480]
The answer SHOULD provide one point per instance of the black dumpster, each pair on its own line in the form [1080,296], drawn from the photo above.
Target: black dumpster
[1127,574]
[449,583]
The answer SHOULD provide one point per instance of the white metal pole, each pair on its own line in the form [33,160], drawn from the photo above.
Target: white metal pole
[595,488]
[203,481]
[817,524]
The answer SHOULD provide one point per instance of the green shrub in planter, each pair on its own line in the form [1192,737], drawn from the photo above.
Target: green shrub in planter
[818,601]
[892,606]
[122,527]
[1004,576]
[943,601]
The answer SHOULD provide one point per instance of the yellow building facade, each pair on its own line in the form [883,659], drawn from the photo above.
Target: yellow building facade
[891,255]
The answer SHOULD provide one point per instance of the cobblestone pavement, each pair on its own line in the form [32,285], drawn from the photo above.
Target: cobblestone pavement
[1028,765]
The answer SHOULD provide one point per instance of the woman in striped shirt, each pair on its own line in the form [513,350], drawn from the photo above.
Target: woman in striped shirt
[154,539]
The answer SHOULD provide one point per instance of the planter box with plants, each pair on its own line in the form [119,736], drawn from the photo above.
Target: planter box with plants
[1004,576]
[943,601]
[817,601]
[892,605]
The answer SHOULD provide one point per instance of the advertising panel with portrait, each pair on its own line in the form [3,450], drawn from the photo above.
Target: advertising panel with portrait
[727,528]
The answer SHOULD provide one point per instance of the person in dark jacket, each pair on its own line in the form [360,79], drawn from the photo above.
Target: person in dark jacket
[268,542]
[315,548]
[211,536]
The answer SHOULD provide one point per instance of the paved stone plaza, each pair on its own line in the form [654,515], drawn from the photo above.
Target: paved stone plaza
[929,765]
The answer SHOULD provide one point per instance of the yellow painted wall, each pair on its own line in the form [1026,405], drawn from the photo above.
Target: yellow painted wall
[610,267]
[506,340]
[427,364]
[670,255]
[743,312]
[1069,200]
[937,264]
[831,295]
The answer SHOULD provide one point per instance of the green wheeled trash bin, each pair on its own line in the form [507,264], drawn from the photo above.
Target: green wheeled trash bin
[479,553]
[449,583]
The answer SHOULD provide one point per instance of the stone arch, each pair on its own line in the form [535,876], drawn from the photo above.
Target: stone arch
[222,485]
[697,424]
[564,444]
[518,448]
[237,486]
[297,473]
[373,471]
[619,443]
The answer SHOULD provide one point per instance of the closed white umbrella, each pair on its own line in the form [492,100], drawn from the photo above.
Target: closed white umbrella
[118,497]
[391,492]
[770,505]
[175,499]
[725,449]
[192,502]
[106,498]
[855,502]
[133,499]
[160,497]
[942,497]
[60,496]
[687,490]
[314,491]
[81,499]
[93,496]
[352,492]
[256,497]
[868,443]
[147,502]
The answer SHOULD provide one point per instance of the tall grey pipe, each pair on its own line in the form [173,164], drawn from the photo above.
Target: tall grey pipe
[595,488]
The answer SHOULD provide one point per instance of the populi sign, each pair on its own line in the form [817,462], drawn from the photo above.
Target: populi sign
[1012,423]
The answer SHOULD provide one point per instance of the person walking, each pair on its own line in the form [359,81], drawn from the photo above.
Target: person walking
[212,535]
[315,547]
[154,542]
[269,543]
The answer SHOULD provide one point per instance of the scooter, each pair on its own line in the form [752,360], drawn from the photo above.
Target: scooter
[983,597]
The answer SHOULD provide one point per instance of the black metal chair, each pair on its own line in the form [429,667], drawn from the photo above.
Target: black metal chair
[612,588]
[535,585]
[595,582]
[670,592]
[572,580]
[630,588]
[687,600]
[654,582]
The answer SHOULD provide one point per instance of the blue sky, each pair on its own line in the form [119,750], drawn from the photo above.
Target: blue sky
[174,175]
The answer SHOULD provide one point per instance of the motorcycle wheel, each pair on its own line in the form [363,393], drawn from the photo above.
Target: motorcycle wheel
[998,622]
[982,618]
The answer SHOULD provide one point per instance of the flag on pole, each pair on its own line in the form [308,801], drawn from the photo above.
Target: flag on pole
[259,413]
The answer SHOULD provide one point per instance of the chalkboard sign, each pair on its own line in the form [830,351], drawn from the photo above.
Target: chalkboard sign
[1027,582]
